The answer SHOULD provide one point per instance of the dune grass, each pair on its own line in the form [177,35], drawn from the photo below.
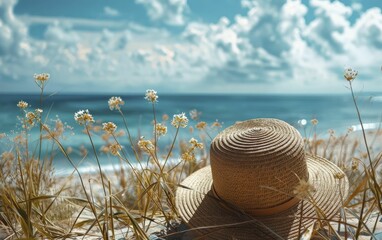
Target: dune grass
[136,200]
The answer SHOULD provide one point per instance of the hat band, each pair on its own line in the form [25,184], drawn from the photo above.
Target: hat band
[262,211]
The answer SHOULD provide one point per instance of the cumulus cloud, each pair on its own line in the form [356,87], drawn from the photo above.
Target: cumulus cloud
[111,12]
[254,48]
[270,48]
[169,11]
[13,33]
[368,28]
[61,33]
[326,30]
[274,44]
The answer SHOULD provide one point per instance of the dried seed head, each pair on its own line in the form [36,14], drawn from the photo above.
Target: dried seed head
[115,103]
[83,117]
[350,74]
[151,96]
[160,129]
[179,120]
[201,125]
[109,127]
[145,145]
[22,104]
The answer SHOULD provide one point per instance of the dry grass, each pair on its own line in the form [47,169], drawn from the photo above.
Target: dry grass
[138,197]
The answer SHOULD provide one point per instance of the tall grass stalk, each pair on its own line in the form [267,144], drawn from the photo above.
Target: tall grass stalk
[374,186]
[132,145]
[93,209]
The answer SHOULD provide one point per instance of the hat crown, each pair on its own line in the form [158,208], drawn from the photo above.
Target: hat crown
[256,164]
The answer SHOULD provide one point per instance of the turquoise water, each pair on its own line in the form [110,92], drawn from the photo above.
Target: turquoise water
[332,111]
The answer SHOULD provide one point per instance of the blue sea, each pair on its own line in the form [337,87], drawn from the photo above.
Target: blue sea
[335,112]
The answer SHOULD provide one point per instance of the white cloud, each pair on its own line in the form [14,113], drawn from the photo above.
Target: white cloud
[273,43]
[66,21]
[109,11]
[368,28]
[271,48]
[59,33]
[330,23]
[356,6]
[13,33]
[169,11]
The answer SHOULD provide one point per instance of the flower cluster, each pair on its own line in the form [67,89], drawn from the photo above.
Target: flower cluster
[109,127]
[145,145]
[115,148]
[115,103]
[83,117]
[216,124]
[151,96]
[196,144]
[201,125]
[314,121]
[22,104]
[160,129]
[30,117]
[179,120]
[304,189]
[41,79]
[188,156]
[38,111]
[350,74]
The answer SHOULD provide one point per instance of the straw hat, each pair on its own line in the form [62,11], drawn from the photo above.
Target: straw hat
[254,188]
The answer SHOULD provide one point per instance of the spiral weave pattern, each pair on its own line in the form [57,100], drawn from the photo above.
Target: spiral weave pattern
[256,164]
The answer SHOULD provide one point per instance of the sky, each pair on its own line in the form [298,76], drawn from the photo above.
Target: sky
[194,46]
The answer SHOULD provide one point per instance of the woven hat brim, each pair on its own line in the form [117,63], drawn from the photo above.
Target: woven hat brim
[202,211]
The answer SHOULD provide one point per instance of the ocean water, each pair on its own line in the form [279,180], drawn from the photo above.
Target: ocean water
[335,112]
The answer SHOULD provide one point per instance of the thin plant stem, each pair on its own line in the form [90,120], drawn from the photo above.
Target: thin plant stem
[26,139]
[205,130]
[92,203]
[96,156]
[375,224]
[155,131]
[327,146]
[26,196]
[111,212]
[375,186]
[342,209]
[181,172]
[41,95]
[40,140]
[78,173]
[361,214]
[139,177]
[124,158]
[341,160]
[171,148]
[363,129]
[130,138]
